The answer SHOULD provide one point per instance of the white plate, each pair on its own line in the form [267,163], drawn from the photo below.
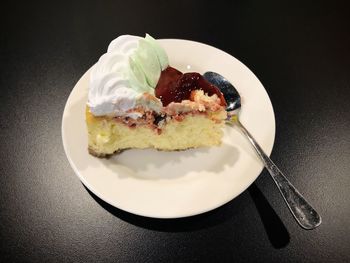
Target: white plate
[176,184]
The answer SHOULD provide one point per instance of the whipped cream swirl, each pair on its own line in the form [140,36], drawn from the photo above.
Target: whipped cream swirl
[130,68]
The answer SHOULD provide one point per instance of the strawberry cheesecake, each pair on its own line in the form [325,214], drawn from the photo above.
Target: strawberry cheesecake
[137,100]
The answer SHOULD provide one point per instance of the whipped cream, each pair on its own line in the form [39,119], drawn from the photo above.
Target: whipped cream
[123,76]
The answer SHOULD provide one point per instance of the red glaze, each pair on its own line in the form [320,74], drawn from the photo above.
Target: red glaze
[173,86]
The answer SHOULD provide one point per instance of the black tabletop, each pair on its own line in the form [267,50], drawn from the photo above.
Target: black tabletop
[301,53]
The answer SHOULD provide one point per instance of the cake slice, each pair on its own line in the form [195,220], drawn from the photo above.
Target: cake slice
[136,100]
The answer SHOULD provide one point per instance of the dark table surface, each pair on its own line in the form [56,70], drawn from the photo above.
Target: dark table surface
[301,53]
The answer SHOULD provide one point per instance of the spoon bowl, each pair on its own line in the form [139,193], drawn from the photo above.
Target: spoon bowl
[231,95]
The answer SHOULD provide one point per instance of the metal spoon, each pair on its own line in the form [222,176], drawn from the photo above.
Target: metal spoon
[302,211]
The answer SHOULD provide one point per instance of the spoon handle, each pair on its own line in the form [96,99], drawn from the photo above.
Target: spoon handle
[303,212]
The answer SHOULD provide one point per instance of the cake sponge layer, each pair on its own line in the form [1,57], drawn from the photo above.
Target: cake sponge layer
[107,136]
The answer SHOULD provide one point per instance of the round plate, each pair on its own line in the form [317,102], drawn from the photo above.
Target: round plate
[176,184]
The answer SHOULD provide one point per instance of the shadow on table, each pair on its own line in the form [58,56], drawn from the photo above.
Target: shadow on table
[275,230]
